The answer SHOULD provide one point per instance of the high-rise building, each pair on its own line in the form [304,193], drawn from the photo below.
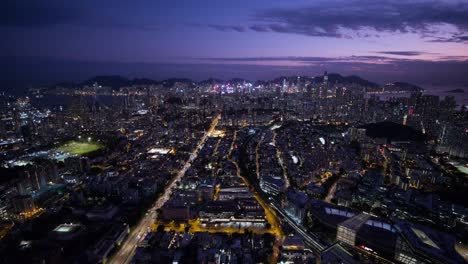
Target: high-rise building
[23,204]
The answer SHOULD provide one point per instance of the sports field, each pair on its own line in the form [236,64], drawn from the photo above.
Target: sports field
[80,148]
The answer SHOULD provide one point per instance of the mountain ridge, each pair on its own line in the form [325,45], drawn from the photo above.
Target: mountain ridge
[118,81]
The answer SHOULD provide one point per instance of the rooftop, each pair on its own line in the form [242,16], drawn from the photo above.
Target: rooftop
[355,222]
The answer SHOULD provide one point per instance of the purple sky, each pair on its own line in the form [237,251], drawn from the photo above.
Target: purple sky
[380,40]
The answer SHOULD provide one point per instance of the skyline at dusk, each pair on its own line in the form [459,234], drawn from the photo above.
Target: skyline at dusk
[416,41]
[234,132]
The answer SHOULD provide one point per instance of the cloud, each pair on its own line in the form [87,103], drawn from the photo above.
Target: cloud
[453,58]
[404,53]
[306,60]
[259,28]
[268,59]
[228,28]
[431,19]
[454,38]
[333,18]
[238,28]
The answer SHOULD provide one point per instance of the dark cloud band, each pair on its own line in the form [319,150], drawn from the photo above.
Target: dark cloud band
[349,19]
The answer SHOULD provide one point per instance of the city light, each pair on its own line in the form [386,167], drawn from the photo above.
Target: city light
[206,132]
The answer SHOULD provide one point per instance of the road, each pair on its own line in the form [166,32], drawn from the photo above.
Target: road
[270,215]
[126,252]
[309,238]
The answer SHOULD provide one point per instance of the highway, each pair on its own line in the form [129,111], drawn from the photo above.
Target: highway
[126,252]
[309,238]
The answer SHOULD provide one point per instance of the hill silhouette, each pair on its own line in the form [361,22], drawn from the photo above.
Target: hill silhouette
[393,132]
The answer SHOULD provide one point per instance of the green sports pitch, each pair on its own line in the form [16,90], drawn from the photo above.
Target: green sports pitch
[80,148]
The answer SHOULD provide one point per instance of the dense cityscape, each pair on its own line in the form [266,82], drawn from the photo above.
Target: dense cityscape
[324,169]
[234,132]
